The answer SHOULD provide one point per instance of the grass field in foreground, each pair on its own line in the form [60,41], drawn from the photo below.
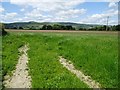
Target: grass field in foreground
[95,55]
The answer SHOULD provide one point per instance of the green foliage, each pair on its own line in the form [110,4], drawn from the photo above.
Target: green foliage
[104,28]
[116,28]
[44,27]
[57,27]
[2,31]
[32,28]
[20,27]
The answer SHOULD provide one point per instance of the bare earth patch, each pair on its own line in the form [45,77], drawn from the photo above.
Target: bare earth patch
[86,79]
[20,78]
[65,31]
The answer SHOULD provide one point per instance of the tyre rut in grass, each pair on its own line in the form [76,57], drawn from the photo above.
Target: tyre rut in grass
[20,78]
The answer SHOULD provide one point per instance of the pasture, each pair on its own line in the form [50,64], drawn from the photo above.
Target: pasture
[94,53]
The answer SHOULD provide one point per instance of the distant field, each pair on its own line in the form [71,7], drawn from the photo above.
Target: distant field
[64,31]
[93,52]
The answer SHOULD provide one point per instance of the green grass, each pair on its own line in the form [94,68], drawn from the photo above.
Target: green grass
[45,69]
[95,55]
[10,45]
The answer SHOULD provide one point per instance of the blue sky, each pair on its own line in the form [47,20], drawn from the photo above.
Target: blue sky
[78,11]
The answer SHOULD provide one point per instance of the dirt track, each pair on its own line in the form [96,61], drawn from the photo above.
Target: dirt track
[20,78]
[86,79]
[64,31]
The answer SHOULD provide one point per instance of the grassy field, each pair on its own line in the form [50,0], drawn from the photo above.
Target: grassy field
[10,45]
[94,54]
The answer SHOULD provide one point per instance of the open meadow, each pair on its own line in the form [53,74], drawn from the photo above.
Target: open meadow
[93,53]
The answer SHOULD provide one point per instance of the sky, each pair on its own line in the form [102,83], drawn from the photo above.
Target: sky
[77,11]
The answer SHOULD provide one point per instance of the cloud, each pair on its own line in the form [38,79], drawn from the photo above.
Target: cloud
[47,10]
[101,18]
[48,5]
[9,16]
[32,1]
[112,4]
[102,0]
[71,13]
[110,0]
[34,13]
[22,10]
[113,22]
[58,10]
[74,2]
[61,15]
[1,9]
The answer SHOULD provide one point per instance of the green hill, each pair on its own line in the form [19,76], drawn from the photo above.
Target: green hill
[38,25]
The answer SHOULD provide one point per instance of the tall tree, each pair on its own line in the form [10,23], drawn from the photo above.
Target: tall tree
[44,27]
[49,27]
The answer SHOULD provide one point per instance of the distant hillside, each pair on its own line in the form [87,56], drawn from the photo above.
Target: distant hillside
[76,25]
[37,25]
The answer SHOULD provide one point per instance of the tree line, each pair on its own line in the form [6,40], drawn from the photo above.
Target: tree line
[45,27]
[106,28]
[69,27]
[55,27]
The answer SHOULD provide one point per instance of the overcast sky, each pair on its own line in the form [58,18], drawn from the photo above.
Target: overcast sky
[80,11]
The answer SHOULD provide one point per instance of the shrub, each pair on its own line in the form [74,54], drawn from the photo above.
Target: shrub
[2,31]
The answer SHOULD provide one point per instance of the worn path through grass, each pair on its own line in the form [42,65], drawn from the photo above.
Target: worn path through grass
[20,78]
[86,79]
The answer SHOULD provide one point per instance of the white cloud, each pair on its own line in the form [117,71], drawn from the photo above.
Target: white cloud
[24,1]
[48,5]
[73,2]
[59,10]
[102,0]
[112,4]
[71,13]
[110,0]
[55,9]
[113,22]
[22,10]
[4,0]
[9,16]
[101,18]
[61,15]
[34,13]
[19,2]
[1,9]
